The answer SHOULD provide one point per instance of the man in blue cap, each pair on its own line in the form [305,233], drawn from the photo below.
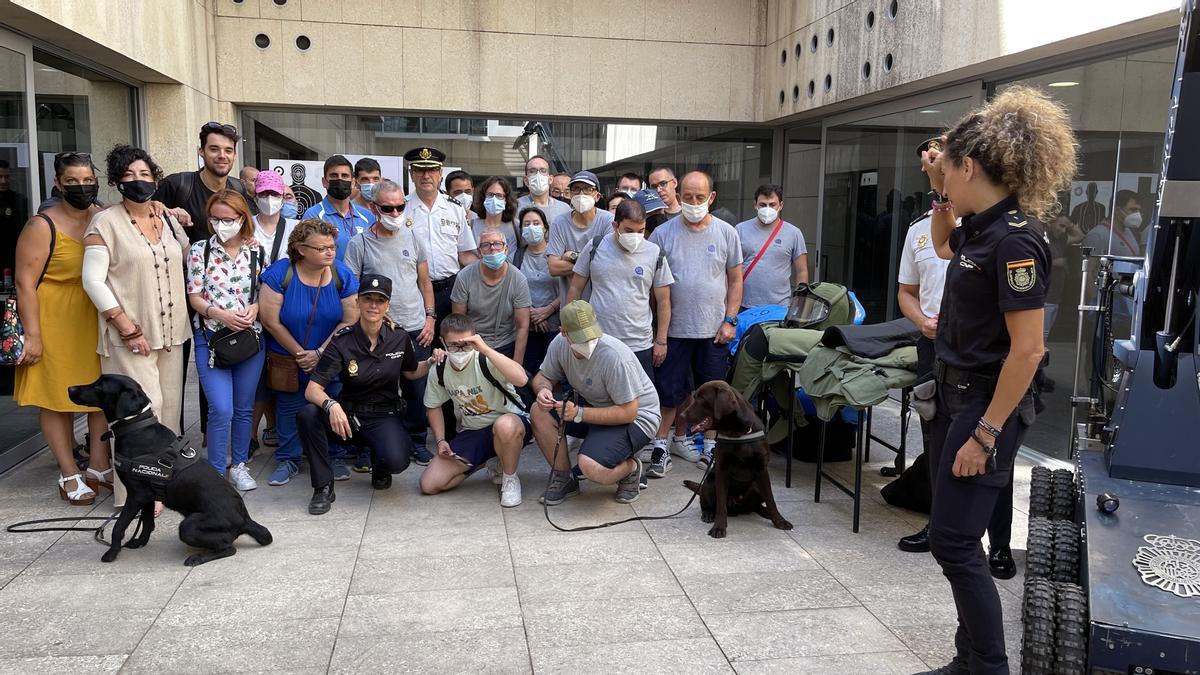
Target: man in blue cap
[570,231]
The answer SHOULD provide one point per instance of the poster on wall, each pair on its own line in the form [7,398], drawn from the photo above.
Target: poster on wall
[304,176]
[1090,200]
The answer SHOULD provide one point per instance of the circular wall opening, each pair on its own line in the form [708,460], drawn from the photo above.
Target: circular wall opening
[813,43]
[782,96]
[303,43]
[262,40]
[887,63]
[829,37]
[799,51]
[783,57]
[796,93]
[280,3]
[866,70]
[870,20]
[828,82]
[812,88]
[893,9]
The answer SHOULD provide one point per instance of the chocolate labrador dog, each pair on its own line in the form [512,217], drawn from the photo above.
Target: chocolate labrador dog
[738,482]
[154,463]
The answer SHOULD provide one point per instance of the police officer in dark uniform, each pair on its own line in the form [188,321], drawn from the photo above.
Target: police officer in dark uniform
[1002,166]
[368,359]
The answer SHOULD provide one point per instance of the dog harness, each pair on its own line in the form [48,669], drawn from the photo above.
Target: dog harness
[749,437]
[157,467]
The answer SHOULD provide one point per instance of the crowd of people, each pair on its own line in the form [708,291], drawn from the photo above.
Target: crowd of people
[442,326]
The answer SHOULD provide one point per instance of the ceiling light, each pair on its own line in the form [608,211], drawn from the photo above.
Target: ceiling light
[1063,84]
[930,111]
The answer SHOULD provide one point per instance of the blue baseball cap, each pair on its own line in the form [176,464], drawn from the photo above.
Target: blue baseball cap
[649,200]
[586,177]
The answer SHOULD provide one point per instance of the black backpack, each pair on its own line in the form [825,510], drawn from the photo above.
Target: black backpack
[524,392]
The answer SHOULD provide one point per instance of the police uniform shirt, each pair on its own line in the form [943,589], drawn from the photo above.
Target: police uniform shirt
[370,378]
[1001,264]
[444,230]
[921,266]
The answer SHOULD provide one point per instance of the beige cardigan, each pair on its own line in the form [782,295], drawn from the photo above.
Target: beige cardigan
[131,277]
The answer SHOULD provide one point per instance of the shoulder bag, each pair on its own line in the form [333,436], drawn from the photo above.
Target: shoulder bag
[283,373]
[12,333]
[229,347]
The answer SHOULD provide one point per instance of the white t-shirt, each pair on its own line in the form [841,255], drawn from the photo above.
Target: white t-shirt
[267,241]
[921,266]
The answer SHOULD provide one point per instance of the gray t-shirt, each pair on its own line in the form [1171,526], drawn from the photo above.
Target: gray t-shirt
[395,257]
[479,226]
[770,283]
[612,376]
[699,261]
[552,210]
[621,283]
[543,288]
[564,236]
[491,307]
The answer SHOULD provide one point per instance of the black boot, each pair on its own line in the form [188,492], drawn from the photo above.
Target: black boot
[380,480]
[1001,562]
[322,500]
[915,543]
[956,667]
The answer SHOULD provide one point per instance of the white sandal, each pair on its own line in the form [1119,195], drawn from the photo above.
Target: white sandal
[99,479]
[82,495]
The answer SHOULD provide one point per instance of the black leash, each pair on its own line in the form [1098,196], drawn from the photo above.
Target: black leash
[97,532]
[562,440]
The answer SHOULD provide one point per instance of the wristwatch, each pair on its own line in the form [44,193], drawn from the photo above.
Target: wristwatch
[578,414]
[731,320]
[571,255]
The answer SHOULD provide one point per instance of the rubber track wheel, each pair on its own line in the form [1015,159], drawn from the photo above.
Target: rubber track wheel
[1071,630]
[1062,495]
[1037,615]
[1039,549]
[1040,492]
[1065,567]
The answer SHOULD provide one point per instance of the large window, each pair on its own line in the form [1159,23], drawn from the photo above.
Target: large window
[738,159]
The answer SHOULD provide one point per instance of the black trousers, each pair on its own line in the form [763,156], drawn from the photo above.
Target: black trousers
[391,447]
[962,509]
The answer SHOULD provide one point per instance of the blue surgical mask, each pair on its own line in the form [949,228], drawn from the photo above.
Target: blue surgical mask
[533,234]
[368,190]
[288,210]
[493,205]
[495,260]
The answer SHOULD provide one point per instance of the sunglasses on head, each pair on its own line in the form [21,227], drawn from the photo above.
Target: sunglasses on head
[226,129]
[383,208]
[70,155]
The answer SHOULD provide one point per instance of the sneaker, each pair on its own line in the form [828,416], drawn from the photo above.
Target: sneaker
[340,472]
[684,448]
[363,463]
[660,462]
[645,453]
[270,437]
[578,473]
[493,469]
[629,487]
[242,480]
[284,472]
[422,456]
[562,485]
[706,457]
[510,491]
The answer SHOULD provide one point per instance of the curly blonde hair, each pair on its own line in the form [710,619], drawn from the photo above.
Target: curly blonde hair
[1023,140]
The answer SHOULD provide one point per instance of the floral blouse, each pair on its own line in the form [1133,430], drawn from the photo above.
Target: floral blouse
[226,283]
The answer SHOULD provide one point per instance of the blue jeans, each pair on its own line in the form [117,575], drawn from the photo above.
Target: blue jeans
[230,393]
[287,406]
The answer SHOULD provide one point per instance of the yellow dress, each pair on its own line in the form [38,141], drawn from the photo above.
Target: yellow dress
[69,333]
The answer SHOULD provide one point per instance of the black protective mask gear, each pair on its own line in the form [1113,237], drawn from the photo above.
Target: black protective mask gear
[80,196]
[139,191]
[339,189]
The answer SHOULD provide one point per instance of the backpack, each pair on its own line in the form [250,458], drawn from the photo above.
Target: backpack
[522,391]
[600,237]
[291,272]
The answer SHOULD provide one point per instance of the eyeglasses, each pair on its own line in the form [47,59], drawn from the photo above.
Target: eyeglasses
[662,184]
[534,172]
[321,249]
[384,208]
[581,190]
[492,246]
[226,129]
[219,222]
[456,347]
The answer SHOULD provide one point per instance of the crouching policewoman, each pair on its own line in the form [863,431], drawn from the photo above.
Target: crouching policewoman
[1001,170]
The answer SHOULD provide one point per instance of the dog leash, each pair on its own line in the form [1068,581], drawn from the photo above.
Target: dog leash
[562,439]
[97,532]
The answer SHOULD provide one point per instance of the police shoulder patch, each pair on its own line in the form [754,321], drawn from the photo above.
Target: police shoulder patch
[1022,274]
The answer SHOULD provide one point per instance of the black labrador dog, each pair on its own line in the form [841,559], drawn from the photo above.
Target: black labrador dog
[152,462]
[738,481]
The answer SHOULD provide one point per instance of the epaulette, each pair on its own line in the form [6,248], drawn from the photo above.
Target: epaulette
[923,216]
[1016,218]
[345,330]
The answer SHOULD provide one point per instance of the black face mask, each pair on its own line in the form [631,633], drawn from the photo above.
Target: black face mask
[80,196]
[139,191]
[339,189]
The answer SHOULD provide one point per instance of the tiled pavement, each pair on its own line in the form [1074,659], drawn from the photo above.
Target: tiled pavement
[402,582]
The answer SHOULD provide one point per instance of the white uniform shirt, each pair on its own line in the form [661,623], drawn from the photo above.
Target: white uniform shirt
[921,266]
[444,230]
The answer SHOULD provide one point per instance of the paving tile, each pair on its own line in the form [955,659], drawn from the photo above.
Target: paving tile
[884,663]
[694,655]
[919,603]
[603,581]
[491,650]
[381,576]
[765,591]
[593,622]
[291,645]
[688,528]
[529,519]
[398,541]
[107,663]
[575,548]
[203,605]
[75,631]
[82,556]
[728,556]
[431,611]
[934,643]
[809,632]
[145,590]
[9,571]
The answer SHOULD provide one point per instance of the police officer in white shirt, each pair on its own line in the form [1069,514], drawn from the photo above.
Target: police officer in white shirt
[441,224]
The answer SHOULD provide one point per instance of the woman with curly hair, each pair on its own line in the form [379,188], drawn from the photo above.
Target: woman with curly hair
[1001,170]
[133,272]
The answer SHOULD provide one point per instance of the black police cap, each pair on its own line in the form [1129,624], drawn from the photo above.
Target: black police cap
[375,283]
[936,143]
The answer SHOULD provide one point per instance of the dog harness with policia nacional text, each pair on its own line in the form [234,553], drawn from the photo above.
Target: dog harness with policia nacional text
[156,466]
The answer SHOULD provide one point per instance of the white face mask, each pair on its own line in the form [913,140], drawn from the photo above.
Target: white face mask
[585,350]
[270,205]
[767,215]
[460,360]
[539,184]
[583,203]
[392,223]
[694,213]
[464,199]
[631,241]
[225,229]
[1134,220]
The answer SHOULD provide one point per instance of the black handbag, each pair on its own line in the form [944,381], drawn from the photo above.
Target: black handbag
[229,347]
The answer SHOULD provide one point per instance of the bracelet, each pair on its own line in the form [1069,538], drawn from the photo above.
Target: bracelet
[207,310]
[983,424]
[943,207]
[119,313]
[661,343]
[990,449]
[136,332]
[439,441]
[429,312]
[328,404]
[132,336]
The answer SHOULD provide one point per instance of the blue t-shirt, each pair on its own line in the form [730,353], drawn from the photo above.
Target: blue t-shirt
[298,304]
[348,227]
